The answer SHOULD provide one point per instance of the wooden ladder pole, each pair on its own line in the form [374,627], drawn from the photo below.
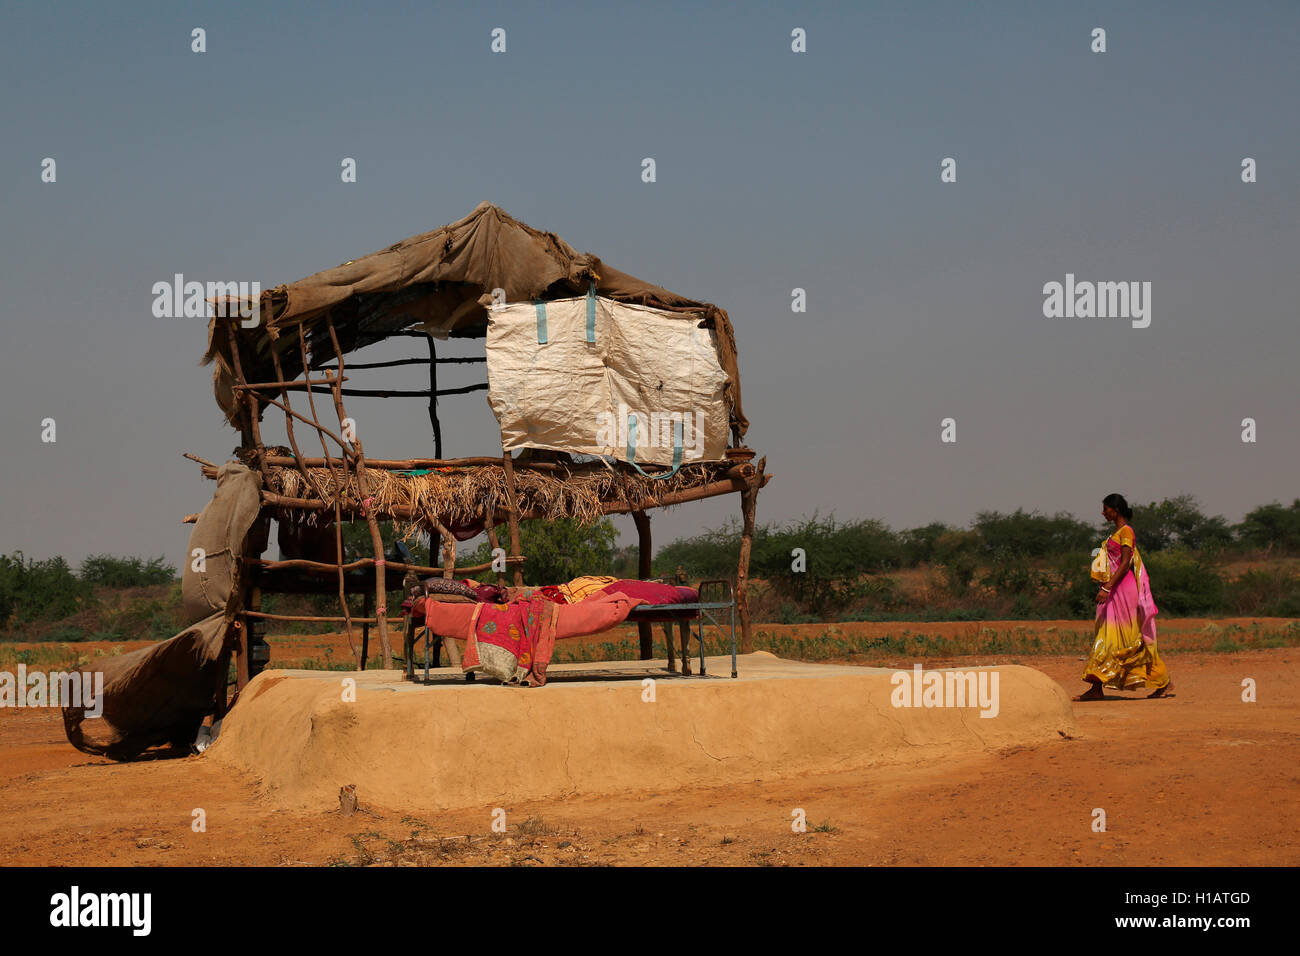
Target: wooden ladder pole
[376,539]
[748,506]
[512,515]
[645,632]
[338,508]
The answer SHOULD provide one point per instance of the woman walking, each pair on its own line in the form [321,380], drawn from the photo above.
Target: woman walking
[1124,655]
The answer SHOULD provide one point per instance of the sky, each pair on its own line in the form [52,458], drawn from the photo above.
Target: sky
[775,170]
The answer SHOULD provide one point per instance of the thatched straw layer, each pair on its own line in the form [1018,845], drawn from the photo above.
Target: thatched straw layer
[462,496]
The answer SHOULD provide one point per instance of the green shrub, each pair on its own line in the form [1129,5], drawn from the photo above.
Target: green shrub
[919,545]
[713,554]
[1026,535]
[560,550]
[1178,522]
[106,571]
[1182,583]
[66,634]
[1075,593]
[959,575]
[32,590]
[1260,588]
[834,560]
[1273,527]
[1286,606]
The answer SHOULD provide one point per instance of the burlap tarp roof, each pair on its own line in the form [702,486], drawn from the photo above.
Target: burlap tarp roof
[443,281]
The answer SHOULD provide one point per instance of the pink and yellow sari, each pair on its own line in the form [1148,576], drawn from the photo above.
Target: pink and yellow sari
[1124,655]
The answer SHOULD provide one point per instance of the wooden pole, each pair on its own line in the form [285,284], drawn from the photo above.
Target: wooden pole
[317,425]
[302,617]
[494,544]
[283,383]
[512,514]
[405,392]
[394,363]
[433,399]
[645,631]
[748,506]
[365,628]
[412,464]
[239,638]
[250,433]
[288,429]
[245,578]
[338,507]
[448,550]
[376,539]
[304,564]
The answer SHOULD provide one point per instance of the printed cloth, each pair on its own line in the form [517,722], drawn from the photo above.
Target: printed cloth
[447,586]
[526,631]
[515,628]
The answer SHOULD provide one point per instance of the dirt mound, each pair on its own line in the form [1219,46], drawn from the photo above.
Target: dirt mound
[592,731]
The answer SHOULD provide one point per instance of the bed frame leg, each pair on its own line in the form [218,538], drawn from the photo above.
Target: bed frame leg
[733,635]
[700,637]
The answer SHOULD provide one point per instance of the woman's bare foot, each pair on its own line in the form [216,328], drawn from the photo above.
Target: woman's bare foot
[1094,694]
[1161,691]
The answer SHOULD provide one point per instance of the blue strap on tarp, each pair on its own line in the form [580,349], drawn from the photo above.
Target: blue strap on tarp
[541,323]
[631,450]
[591,313]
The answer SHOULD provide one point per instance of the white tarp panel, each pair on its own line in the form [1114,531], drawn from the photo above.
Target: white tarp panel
[574,395]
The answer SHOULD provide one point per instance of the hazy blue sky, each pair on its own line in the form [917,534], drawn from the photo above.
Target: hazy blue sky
[776,170]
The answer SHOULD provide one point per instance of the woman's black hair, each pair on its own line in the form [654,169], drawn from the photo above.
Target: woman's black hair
[1119,504]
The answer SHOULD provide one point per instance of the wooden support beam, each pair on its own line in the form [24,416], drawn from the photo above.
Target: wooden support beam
[338,506]
[405,392]
[493,544]
[512,513]
[748,506]
[250,434]
[395,363]
[288,428]
[303,564]
[433,399]
[645,631]
[376,539]
[365,628]
[294,384]
[410,464]
[304,617]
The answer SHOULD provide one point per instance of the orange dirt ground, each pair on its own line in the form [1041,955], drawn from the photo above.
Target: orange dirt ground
[1198,779]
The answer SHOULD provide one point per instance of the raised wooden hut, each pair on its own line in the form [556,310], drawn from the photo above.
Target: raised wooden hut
[565,336]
